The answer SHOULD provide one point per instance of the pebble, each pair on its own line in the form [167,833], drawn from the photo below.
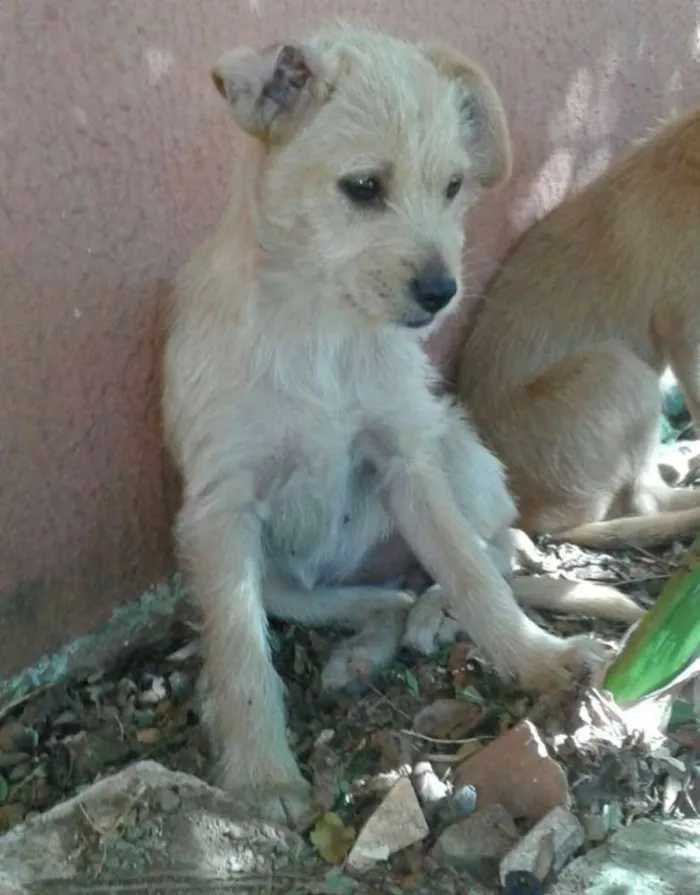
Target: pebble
[484,837]
[10,816]
[9,760]
[9,734]
[598,825]
[429,787]
[397,823]
[180,684]
[168,800]
[155,692]
[548,846]
[19,772]
[516,771]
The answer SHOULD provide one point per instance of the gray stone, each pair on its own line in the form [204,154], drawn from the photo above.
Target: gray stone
[646,858]
[117,830]
[548,846]
[396,824]
[485,836]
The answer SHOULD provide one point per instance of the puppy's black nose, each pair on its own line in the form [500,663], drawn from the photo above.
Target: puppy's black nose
[433,288]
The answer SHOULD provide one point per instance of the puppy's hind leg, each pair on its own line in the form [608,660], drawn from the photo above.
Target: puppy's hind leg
[378,615]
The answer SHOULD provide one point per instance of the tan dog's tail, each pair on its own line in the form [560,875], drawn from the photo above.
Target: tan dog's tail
[577,597]
[654,530]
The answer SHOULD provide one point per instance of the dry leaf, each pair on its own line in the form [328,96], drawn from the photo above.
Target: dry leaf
[447,719]
[332,838]
[148,737]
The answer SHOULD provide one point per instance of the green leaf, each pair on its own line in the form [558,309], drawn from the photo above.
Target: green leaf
[470,694]
[411,682]
[3,790]
[666,638]
[682,712]
[337,883]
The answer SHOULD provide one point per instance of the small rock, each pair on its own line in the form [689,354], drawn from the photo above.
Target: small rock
[429,787]
[516,771]
[90,753]
[465,800]
[180,684]
[10,733]
[521,882]
[646,858]
[155,691]
[207,836]
[65,719]
[599,824]
[395,825]
[10,816]
[19,772]
[10,760]
[548,846]
[484,837]
[168,800]
[143,718]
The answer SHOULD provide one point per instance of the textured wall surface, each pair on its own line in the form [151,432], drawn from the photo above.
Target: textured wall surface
[114,157]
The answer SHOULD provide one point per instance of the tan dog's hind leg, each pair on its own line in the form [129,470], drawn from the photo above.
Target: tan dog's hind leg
[577,597]
[654,530]
[606,406]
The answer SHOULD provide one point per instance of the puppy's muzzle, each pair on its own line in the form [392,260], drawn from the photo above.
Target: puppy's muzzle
[433,288]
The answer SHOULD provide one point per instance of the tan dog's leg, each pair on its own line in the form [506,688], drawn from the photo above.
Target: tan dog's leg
[679,335]
[600,457]
[606,403]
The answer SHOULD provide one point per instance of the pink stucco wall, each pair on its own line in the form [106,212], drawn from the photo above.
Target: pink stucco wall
[114,157]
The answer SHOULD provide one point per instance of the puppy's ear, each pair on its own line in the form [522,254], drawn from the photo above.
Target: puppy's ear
[271,91]
[483,118]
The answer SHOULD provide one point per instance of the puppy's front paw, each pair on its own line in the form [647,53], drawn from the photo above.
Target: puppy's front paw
[555,664]
[429,626]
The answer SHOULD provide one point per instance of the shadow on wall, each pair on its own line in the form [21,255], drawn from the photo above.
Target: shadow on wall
[579,85]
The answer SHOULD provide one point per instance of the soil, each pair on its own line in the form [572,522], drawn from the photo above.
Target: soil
[62,739]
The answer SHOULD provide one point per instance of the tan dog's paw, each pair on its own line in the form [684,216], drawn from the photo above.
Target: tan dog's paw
[429,626]
[555,665]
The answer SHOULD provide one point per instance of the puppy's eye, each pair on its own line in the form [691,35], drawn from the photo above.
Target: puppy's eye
[361,190]
[453,187]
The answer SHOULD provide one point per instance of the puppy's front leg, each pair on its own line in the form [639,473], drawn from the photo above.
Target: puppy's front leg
[243,707]
[425,512]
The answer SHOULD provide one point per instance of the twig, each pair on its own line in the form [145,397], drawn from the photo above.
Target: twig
[389,702]
[443,742]
[16,703]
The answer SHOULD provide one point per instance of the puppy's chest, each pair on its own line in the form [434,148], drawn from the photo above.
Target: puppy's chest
[320,509]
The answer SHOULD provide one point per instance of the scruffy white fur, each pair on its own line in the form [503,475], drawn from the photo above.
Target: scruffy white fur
[299,403]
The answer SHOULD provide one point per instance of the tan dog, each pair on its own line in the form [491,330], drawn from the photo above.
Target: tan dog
[300,405]
[561,371]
